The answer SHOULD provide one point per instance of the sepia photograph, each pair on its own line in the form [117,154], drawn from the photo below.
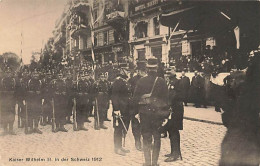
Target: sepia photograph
[129,83]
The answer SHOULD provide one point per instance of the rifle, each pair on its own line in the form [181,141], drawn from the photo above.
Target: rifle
[26,119]
[74,115]
[53,116]
[96,119]
[42,113]
[19,116]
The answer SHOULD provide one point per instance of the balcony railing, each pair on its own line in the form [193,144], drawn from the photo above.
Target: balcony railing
[115,14]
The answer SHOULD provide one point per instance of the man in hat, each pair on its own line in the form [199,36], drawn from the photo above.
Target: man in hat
[151,96]
[175,120]
[34,101]
[197,89]
[184,87]
[120,100]
[60,100]
[101,88]
[7,102]
[136,129]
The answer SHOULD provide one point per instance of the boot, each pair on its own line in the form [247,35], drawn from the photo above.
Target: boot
[36,130]
[125,150]
[102,126]
[83,128]
[62,128]
[138,145]
[87,120]
[120,152]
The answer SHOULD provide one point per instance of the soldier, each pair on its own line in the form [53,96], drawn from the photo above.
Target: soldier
[90,105]
[60,100]
[101,88]
[7,102]
[20,95]
[70,93]
[34,101]
[151,96]
[120,100]
[184,87]
[141,66]
[82,99]
[47,94]
[175,120]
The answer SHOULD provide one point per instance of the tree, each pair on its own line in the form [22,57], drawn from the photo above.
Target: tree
[9,59]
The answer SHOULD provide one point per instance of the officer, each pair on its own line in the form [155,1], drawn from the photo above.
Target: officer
[151,96]
[102,99]
[175,120]
[34,101]
[82,99]
[7,102]
[141,72]
[120,100]
[47,94]
[60,100]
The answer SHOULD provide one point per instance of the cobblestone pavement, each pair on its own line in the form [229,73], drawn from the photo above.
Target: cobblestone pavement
[200,145]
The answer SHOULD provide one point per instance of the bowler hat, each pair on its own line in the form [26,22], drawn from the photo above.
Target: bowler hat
[152,63]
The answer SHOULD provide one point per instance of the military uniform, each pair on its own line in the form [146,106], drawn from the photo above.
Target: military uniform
[70,95]
[7,103]
[60,100]
[152,114]
[34,102]
[120,100]
[47,96]
[102,98]
[82,99]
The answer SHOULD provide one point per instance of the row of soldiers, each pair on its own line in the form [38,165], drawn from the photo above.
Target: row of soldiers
[48,100]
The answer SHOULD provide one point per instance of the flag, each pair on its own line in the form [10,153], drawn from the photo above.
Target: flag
[237,35]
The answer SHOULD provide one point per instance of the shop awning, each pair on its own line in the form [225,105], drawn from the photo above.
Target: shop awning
[201,17]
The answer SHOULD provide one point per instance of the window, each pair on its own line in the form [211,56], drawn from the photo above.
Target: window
[156,26]
[106,37]
[141,54]
[141,29]
[95,39]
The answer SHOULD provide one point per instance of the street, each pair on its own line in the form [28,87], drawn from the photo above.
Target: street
[200,145]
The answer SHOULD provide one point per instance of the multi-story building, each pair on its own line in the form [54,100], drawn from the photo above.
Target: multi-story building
[73,31]
[147,37]
[111,31]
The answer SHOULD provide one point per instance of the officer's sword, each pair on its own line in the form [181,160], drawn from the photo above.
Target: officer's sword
[120,117]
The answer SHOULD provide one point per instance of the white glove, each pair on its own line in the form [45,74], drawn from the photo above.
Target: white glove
[117,113]
[23,102]
[42,101]
[137,116]
[164,122]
